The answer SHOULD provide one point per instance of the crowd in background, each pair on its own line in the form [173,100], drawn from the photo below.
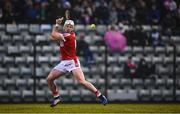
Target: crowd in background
[165,12]
[142,69]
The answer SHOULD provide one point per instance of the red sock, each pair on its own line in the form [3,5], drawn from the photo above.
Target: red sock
[55,93]
[98,93]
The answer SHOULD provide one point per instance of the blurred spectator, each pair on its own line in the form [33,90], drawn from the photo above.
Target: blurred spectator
[1,15]
[142,69]
[76,13]
[83,50]
[170,5]
[130,68]
[178,12]
[155,38]
[123,15]
[141,11]
[169,24]
[56,10]
[136,36]
[102,14]
[8,14]
[178,21]
[113,16]
[114,39]
[31,12]
[154,15]
[152,69]
[44,13]
[132,14]
[18,10]
[87,13]
[66,4]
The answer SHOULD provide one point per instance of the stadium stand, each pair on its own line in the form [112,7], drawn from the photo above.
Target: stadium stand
[19,37]
[18,60]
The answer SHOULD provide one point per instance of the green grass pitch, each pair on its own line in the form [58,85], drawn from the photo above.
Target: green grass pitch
[90,108]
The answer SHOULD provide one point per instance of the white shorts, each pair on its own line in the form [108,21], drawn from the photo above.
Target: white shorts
[67,65]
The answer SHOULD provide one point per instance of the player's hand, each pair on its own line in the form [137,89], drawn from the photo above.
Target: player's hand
[59,21]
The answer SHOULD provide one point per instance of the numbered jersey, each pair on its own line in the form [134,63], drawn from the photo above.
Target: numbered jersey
[68,48]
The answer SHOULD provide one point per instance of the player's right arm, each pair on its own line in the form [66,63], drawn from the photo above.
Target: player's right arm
[55,34]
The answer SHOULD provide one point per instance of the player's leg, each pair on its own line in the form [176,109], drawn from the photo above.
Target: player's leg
[79,76]
[54,74]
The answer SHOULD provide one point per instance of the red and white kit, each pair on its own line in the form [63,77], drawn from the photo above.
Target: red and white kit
[69,59]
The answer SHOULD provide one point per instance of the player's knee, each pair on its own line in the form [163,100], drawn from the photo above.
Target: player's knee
[83,82]
[49,78]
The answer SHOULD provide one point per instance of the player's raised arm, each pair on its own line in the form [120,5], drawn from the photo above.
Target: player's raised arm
[56,35]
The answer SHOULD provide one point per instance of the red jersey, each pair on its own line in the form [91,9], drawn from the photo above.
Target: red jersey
[68,48]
